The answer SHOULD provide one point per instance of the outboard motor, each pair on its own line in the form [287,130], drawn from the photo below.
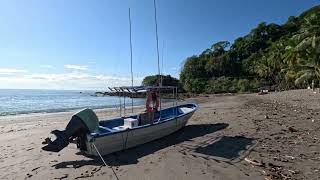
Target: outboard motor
[83,122]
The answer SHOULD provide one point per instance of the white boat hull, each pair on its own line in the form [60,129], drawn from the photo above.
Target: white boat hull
[136,136]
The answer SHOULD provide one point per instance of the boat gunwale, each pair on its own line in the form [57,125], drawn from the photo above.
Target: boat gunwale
[94,136]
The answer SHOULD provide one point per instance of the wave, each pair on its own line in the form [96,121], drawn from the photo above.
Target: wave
[55,110]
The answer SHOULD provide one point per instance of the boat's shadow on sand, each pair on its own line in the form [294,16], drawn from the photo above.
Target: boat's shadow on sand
[131,156]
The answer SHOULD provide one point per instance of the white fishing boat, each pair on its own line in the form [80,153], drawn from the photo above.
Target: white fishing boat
[123,133]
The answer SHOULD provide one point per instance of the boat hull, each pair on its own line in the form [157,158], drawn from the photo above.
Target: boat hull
[137,136]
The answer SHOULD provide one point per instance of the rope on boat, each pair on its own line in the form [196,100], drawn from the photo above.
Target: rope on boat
[104,161]
[124,141]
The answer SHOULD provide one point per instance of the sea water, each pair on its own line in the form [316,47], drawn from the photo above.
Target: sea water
[14,101]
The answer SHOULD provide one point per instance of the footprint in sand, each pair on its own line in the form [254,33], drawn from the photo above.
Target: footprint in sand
[29,175]
[35,168]
[63,177]
[83,176]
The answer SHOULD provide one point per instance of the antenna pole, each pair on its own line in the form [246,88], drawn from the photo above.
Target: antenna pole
[157,38]
[162,63]
[131,60]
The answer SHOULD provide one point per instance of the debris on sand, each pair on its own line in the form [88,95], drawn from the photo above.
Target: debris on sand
[291,129]
[63,177]
[254,162]
[292,171]
[290,157]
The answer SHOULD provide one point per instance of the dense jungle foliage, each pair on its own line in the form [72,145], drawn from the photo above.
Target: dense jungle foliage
[282,56]
[167,80]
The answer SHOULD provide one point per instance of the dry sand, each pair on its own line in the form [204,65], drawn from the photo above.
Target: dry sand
[278,132]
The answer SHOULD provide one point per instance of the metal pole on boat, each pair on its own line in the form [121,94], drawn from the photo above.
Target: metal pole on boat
[157,38]
[176,99]
[158,57]
[173,97]
[124,105]
[119,93]
[131,60]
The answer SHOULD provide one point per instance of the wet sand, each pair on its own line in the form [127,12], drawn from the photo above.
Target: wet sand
[274,136]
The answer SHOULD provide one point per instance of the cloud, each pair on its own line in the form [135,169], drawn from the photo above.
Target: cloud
[8,71]
[76,67]
[92,62]
[174,69]
[73,80]
[47,66]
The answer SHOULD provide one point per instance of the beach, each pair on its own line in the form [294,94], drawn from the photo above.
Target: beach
[243,136]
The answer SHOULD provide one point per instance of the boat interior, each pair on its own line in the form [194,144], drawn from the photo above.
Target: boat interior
[143,119]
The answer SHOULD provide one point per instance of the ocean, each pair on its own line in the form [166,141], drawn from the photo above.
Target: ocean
[14,101]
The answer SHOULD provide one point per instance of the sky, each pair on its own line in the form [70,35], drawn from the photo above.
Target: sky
[82,44]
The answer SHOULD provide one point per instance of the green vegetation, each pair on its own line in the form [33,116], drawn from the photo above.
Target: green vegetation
[167,80]
[285,56]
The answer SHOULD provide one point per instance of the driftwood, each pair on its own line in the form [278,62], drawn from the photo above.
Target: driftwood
[254,162]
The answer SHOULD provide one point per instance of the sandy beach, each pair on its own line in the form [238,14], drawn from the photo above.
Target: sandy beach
[246,136]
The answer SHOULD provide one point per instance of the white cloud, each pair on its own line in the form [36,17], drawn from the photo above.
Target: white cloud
[76,67]
[74,80]
[92,62]
[11,71]
[174,69]
[47,66]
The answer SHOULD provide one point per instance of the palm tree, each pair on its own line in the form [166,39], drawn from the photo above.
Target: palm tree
[310,62]
[303,52]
